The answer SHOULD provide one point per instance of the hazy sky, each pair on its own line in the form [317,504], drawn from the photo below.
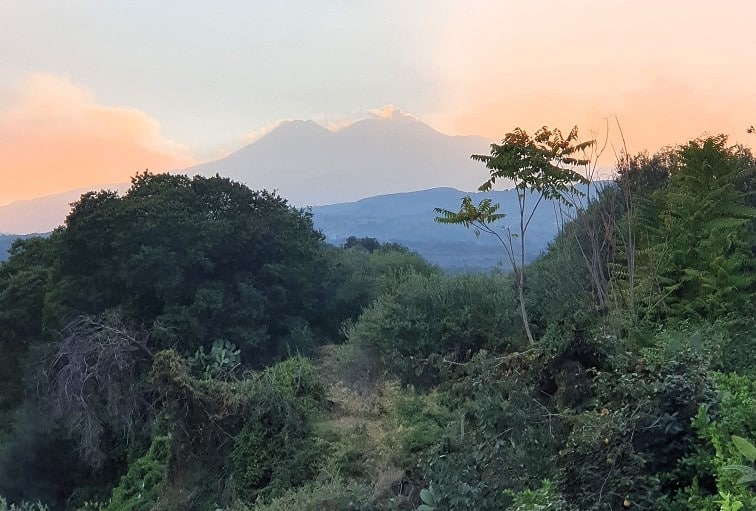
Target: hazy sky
[91,91]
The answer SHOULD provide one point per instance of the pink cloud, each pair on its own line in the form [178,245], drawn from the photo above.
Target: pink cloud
[55,136]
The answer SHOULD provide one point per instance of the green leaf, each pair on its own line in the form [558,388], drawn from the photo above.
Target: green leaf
[428,498]
[745,447]
[748,474]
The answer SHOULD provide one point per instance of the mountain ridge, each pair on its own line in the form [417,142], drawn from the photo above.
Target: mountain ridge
[312,166]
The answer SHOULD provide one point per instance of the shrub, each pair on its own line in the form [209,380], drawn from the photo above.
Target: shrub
[628,447]
[503,434]
[353,278]
[545,498]
[432,319]
[142,486]
[417,422]
[273,452]
[244,438]
[733,415]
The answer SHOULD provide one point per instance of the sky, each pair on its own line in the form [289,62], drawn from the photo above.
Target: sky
[93,91]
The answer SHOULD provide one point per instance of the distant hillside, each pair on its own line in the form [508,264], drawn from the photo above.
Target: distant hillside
[408,218]
[44,214]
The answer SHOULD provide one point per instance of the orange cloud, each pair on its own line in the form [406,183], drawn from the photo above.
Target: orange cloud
[54,136]
[659,113]
[668,74]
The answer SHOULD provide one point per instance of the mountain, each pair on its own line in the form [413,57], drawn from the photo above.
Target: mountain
[384,159]
[408,218]
[310,165]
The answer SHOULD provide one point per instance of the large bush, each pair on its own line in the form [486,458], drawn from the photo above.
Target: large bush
[432,320]
[246,439]
[354,277]
[503,434]
[629,445]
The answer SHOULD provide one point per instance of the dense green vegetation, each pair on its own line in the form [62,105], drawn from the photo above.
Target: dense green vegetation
[194,344]
[6,240]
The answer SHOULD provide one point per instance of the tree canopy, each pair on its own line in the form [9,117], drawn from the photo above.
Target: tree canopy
[203,259]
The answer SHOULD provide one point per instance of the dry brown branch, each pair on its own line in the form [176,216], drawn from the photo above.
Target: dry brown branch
[90,381]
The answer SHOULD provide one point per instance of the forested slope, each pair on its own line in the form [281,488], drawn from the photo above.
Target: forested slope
[193,344]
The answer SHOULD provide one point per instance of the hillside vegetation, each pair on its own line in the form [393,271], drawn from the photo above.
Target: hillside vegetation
[193,344]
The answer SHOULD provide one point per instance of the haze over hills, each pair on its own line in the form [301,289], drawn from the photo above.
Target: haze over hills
[311,166]
[408,219]
[360,181]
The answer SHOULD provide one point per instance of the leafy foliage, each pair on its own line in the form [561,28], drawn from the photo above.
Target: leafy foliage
[501,437]
[539,166]
[429,322]
[354,278]
[256,432]
[23,282]
[628,446]
[701,233]
[141,488]
[336,495]
[545,498]
[157,329]
[205,259]
[718,451]
[24,506]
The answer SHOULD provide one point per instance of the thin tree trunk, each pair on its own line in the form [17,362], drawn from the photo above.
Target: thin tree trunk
[521,283]
[524,312]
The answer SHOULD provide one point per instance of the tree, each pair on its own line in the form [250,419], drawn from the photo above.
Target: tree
[203,259]
[705,236]
[22,295]
[191,261]
[369,244]
[540,167]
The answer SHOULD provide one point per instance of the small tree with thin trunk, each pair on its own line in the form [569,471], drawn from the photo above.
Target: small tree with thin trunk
[540,167]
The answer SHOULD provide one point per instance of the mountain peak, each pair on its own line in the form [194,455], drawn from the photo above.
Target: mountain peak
[397,124]
[298,127]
